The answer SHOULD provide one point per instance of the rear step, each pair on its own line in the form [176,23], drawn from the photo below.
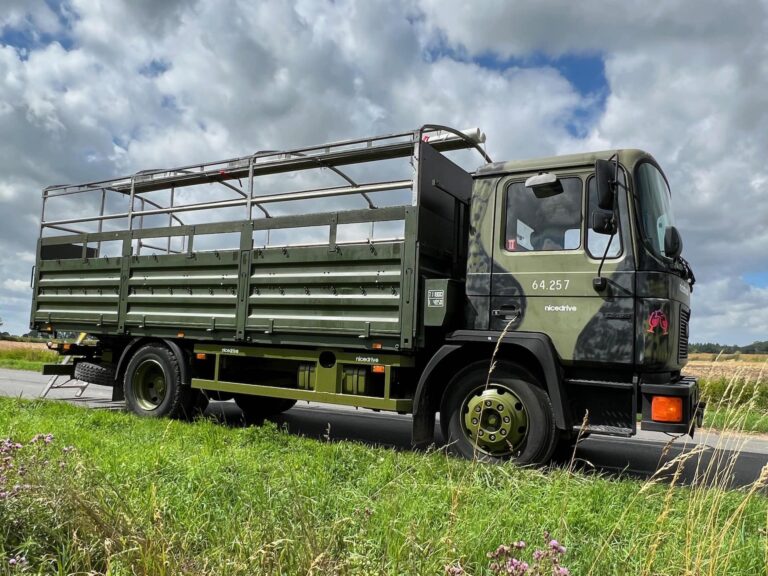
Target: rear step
[607,430]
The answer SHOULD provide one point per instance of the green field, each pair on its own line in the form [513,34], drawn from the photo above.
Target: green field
[25,356]
[736,403]
[164,497]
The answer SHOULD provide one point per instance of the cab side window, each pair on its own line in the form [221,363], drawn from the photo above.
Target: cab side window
[543,224]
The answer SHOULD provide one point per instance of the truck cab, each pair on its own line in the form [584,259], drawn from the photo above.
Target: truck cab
[583,251]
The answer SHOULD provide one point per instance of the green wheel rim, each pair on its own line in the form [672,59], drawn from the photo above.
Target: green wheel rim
[149,387]
[495,420]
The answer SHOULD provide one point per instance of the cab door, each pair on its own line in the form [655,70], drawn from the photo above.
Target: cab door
[545,258]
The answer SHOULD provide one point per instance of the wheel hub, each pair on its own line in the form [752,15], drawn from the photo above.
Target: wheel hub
[495,420]
[149,385]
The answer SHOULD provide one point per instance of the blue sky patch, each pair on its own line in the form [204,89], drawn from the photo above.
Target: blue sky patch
[586,73]
[26,40]
[26,37]
[759,279]
[155,68]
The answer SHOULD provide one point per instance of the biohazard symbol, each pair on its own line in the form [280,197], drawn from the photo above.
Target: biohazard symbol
[657,319]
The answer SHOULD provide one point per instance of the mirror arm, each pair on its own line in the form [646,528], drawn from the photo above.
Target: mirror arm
[599,283]
[615,182]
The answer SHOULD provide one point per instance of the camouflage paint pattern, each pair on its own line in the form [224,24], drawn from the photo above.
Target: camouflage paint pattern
[529,288]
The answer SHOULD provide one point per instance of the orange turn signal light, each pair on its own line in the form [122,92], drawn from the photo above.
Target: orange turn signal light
[200,356]
[667,409]
[378,369]
[67,346]
[180,334]
[376,346]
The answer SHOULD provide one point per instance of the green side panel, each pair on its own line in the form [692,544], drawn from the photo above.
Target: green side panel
[78,292]
[355,290]
[183,292]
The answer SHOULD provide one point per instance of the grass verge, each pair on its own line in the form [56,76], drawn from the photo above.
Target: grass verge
[140,496]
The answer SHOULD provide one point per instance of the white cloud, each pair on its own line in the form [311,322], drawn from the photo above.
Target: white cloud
[729,306]
[15,285]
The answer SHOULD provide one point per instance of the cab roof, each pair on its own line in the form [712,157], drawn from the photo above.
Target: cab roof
[627,156]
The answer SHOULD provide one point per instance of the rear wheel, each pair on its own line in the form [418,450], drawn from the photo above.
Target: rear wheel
[505,418]
[153,386]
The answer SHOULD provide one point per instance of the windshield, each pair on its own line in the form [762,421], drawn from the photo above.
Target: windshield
[655,206]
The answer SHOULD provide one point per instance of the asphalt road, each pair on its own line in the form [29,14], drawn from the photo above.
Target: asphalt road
[640,456]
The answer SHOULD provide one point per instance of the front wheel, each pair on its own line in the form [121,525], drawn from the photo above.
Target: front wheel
[506,417]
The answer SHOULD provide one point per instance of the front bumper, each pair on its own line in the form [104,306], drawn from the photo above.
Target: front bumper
[692,413]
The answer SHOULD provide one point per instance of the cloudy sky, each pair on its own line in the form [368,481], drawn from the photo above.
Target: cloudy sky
[93,88]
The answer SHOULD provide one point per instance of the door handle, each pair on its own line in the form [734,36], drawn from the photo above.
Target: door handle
[511,312]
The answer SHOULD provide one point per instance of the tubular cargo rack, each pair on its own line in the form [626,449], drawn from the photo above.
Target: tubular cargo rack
[77,287]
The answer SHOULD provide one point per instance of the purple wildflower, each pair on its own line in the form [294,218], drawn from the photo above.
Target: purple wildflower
[17,560]
[557,547]
[46,438]
[517,567]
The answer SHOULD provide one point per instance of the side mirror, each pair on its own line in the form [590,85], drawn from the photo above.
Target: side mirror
[673,242]
[544,185]
[603,222]
[605,172]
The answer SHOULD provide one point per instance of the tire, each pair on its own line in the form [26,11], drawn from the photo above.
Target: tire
[515,419]
[153,386]
[99,374]
[257,408]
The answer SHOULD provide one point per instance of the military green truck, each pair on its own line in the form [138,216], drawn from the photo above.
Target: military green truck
[518,302]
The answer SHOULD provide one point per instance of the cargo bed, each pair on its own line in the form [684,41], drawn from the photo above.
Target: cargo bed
[327,291]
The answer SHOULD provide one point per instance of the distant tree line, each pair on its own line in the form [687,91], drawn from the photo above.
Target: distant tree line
[759,347]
